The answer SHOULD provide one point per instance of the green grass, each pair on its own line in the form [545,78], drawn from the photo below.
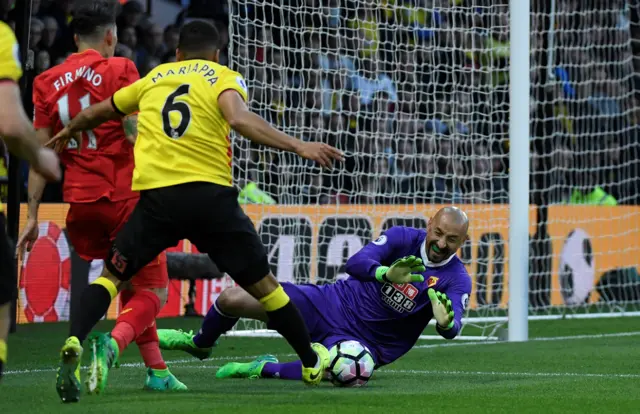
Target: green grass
[585,375]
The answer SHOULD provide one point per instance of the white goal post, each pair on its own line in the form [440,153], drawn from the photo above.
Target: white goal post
[519,88]
[521,112]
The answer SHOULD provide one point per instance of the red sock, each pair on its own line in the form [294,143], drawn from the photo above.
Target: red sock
[139,313]
[123,333]
[149,349]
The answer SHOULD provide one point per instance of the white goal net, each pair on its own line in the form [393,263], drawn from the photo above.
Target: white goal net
[416,92]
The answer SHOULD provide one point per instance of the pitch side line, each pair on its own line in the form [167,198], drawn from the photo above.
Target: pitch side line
[512,374]
[186,362]
[540,339]
[476,373]
[139,365]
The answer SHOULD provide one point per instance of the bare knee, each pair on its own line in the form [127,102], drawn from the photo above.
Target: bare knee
[230,300]
[237,302]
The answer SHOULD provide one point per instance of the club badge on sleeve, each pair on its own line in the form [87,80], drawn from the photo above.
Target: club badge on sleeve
[380,240]
[465,301]
[242,83]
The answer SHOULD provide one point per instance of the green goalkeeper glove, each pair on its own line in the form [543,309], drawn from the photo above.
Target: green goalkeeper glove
[404,270]
[442,309]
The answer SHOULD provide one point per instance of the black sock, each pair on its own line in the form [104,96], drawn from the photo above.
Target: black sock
[1,368]
[94,303]
[288,322]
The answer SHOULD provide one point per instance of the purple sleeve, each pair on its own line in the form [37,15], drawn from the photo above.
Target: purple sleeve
[458,293]
[381,252]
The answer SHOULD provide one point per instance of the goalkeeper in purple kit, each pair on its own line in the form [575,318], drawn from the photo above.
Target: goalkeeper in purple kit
[397,284]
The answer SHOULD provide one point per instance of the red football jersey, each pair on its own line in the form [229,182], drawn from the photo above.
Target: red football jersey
[105,165]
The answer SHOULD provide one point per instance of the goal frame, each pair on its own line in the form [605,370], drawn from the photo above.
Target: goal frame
[519,175]
[519,124]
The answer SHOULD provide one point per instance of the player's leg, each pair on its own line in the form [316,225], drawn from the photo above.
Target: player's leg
[232,304]
[136,318]
[269,367]
[105,348]
[286,319]
[138,245]
[88,230]
[291,370]
[159,378]
[88,234]
[5,307]
[145,235]
[8,288]
[234,245]
[312,305]
[153,278]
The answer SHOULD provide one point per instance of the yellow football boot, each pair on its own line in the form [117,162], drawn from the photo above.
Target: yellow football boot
[68,376]
[313,375]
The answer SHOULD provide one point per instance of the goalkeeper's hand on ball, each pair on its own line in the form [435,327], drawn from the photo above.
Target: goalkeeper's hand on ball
[442,309]
[403,270]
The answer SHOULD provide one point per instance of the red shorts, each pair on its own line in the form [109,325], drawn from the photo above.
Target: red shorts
[92,227]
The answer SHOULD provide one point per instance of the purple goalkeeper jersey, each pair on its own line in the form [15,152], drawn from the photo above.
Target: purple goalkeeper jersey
[390,317]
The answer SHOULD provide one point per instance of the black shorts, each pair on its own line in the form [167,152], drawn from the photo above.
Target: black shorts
[8,274]
[206,214]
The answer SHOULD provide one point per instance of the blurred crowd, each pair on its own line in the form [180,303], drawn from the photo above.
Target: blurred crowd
[416,92]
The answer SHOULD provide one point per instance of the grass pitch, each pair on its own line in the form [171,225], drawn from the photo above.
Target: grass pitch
[572,366]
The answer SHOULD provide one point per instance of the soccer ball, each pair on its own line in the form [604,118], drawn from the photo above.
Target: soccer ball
[351,364]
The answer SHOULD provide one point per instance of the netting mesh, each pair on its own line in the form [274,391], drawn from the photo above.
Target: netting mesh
[416,93]
[401,100]
[593,98]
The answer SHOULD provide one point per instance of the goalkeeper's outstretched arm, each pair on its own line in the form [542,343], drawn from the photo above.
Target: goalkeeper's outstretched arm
[365,263]
[385,260]
[252,126]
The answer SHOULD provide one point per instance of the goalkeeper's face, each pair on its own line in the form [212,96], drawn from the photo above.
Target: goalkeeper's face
[445,234]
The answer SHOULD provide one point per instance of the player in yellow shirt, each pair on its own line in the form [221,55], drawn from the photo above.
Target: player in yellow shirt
[186,110]
[18,133]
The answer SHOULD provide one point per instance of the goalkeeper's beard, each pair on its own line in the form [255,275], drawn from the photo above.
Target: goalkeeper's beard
[437,255]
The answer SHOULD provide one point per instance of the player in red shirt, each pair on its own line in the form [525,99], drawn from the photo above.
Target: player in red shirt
[97,184]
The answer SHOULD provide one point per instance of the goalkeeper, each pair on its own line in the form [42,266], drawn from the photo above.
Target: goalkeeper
[397,284]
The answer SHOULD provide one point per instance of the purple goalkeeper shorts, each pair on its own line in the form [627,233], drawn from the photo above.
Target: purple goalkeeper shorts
[320,317]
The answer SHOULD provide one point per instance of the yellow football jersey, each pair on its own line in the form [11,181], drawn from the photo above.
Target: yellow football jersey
[10,68]
[182,135]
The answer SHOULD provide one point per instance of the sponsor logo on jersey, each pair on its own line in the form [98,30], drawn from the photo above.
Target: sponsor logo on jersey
[399,297]
[431,282]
